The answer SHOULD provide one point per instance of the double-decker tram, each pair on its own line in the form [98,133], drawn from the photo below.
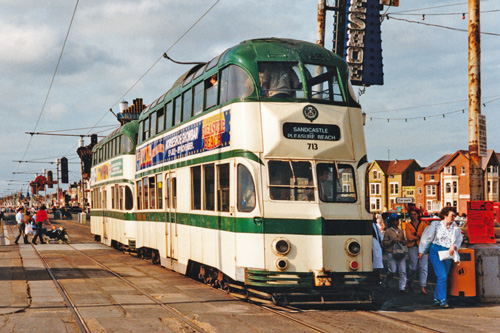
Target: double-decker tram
[249,173]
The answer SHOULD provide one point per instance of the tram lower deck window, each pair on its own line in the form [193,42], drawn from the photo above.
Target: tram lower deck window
[291,180]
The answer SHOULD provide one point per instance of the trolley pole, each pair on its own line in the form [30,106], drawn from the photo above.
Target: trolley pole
[476,181]
[320,40]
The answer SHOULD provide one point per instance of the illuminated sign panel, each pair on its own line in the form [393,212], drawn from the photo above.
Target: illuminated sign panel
[363,45]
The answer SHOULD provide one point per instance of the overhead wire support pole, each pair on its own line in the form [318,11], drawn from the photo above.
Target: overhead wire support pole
[476,181]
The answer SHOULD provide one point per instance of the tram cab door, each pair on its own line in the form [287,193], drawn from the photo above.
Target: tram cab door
[250,245]
[171,214]
[104,222]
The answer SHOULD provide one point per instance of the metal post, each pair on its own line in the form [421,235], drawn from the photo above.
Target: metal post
[57,177]
[476,181]
[321,23]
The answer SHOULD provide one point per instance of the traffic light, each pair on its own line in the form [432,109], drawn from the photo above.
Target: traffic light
[50,179]
[64,170]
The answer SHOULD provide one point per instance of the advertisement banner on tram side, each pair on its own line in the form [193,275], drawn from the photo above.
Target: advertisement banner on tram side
[108,170]
[204,135]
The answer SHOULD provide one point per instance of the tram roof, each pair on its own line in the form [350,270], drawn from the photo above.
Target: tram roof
[129,129]
[248,53]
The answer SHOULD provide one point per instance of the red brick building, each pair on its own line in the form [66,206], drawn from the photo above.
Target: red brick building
[446,182]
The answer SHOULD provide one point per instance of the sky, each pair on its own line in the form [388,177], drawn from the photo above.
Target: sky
[114,47]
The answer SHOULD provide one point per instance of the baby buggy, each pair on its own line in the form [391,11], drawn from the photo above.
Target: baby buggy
[58,235]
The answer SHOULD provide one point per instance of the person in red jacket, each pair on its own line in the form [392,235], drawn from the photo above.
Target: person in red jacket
[41,217]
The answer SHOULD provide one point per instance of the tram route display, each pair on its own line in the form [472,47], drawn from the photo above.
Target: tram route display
[217,183]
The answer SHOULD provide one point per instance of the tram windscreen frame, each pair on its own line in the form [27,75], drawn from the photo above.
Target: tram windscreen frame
[324,83]
[336,182]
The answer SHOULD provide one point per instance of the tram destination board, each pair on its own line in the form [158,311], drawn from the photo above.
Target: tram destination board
[303,131]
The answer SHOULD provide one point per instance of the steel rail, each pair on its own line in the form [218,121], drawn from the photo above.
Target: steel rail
[167,308]
[298,321]
[67,299]
[401,321]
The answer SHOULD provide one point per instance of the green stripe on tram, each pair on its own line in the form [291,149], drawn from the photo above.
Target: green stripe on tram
[205,159]
[318,226]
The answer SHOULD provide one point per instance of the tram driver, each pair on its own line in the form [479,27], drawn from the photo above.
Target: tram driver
[279,80]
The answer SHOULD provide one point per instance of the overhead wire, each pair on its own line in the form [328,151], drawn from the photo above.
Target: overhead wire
[151,67]
[160,58]
[437,25]
[52,80]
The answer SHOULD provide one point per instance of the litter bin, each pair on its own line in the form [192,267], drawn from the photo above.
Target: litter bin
[57,215]
[462,278]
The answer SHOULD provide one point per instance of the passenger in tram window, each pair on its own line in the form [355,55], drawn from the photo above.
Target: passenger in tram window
[278,80]
[325,183]
[413,233]
[392,236]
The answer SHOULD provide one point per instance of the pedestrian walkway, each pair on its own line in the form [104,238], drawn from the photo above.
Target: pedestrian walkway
[13,281]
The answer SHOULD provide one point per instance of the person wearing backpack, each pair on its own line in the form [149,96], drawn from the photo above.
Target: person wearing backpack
[393,240]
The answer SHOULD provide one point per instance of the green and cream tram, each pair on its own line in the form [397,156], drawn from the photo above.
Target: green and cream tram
[251,170]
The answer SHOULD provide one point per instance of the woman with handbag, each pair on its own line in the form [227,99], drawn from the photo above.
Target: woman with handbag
[442,235]
[394,243]
[413,232]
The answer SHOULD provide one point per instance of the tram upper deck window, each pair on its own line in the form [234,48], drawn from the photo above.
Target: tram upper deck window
[145,133]
[291,180]
[234,83]
[336,183]
[323,83]
[211,85]
[177,108]
[168,116]
[198,98]
[160,121]
[280,80]
[126,144]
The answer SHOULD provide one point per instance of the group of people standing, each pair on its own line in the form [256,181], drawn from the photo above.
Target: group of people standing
[423,242]
[24,221]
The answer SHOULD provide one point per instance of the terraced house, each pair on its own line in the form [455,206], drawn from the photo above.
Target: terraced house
[389,180]
[446,181]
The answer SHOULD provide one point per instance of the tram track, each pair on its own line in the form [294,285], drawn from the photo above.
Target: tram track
[80,321]
[74,308]
[400,321]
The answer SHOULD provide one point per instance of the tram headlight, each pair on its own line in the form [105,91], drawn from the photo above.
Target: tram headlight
[281,264]
[353,247]
[281,246]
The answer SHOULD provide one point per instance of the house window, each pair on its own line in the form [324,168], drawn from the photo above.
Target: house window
[431,190]
[448,187]
[419,190]
[455,187]
[432,177]
[429,205]
[375,189]
[394,188]
[375,204]
[449,170]
[420,177]
[462,170]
